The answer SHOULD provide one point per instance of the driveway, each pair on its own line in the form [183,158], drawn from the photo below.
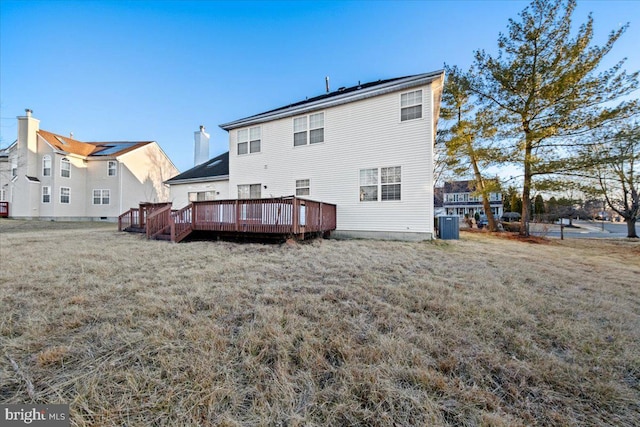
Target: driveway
[584,230]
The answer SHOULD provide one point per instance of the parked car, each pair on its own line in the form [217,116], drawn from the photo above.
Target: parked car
[482,222]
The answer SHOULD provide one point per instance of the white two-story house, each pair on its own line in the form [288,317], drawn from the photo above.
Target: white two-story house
[367,149]
[48,176]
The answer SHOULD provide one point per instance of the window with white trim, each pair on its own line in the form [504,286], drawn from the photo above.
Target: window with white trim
[302,187]
[14,167]
[46,194]
[249,140]
[3,195]
[101,197]
[308,129]
[411,105]
[380,184]
[46,166]
[65,195]
[201,196]
[249,191]
[65,167]
[112,168]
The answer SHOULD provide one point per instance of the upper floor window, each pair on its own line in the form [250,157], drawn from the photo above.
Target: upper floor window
[380,184]
[46,194]
[46,166]
[65,167]
[112,168]
[65,195]
[3,195]
[249,191]
[411,105]
[101,197]
[308,129]
[249,140]
[302,187]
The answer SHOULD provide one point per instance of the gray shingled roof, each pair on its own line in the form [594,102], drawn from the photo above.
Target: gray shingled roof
[337,97]
[211,170]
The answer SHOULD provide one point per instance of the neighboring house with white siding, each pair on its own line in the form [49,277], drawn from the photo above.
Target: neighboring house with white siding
[368,149]
[460,198]
[50,176]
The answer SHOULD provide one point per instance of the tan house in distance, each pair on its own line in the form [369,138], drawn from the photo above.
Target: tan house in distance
[48,176]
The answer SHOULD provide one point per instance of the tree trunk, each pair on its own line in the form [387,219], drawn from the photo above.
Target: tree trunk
[631,228]
[526,188]
[485,195]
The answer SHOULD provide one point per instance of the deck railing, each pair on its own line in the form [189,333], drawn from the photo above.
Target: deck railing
[129,218]
[181,223]
[159,221]
[4,209]
[284,215]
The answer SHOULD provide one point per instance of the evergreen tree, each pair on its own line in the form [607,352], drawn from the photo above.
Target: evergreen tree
[468,140]
[544,91]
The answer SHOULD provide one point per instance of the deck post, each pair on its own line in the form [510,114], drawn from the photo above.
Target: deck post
[193,215]
[141,218]
[296,216]
[237,215]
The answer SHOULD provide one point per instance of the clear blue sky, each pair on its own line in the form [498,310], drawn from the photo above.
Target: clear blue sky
[156,70]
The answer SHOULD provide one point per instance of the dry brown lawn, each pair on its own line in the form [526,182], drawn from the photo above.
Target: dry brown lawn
[477,332]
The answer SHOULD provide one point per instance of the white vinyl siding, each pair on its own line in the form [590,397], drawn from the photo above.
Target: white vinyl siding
[46,194]
[101,197]
[365,134]
[46,165]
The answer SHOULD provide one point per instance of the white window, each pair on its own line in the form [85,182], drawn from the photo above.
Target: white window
[3,195]
[65,167]
[249,191]
[411,105]
[368,185]
[302,187]
[14,167]
[46,166]
[390,182]
[201,196]
[249,140]
[380,184]
[308,129]
[65,195]
[46,194]
[101,197]
[112,168]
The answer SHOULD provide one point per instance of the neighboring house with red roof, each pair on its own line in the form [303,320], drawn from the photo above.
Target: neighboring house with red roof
[48,176]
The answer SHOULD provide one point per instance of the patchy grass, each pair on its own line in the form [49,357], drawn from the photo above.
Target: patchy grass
[481,331]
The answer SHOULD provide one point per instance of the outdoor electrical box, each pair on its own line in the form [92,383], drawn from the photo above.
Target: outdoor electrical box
[449,227]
